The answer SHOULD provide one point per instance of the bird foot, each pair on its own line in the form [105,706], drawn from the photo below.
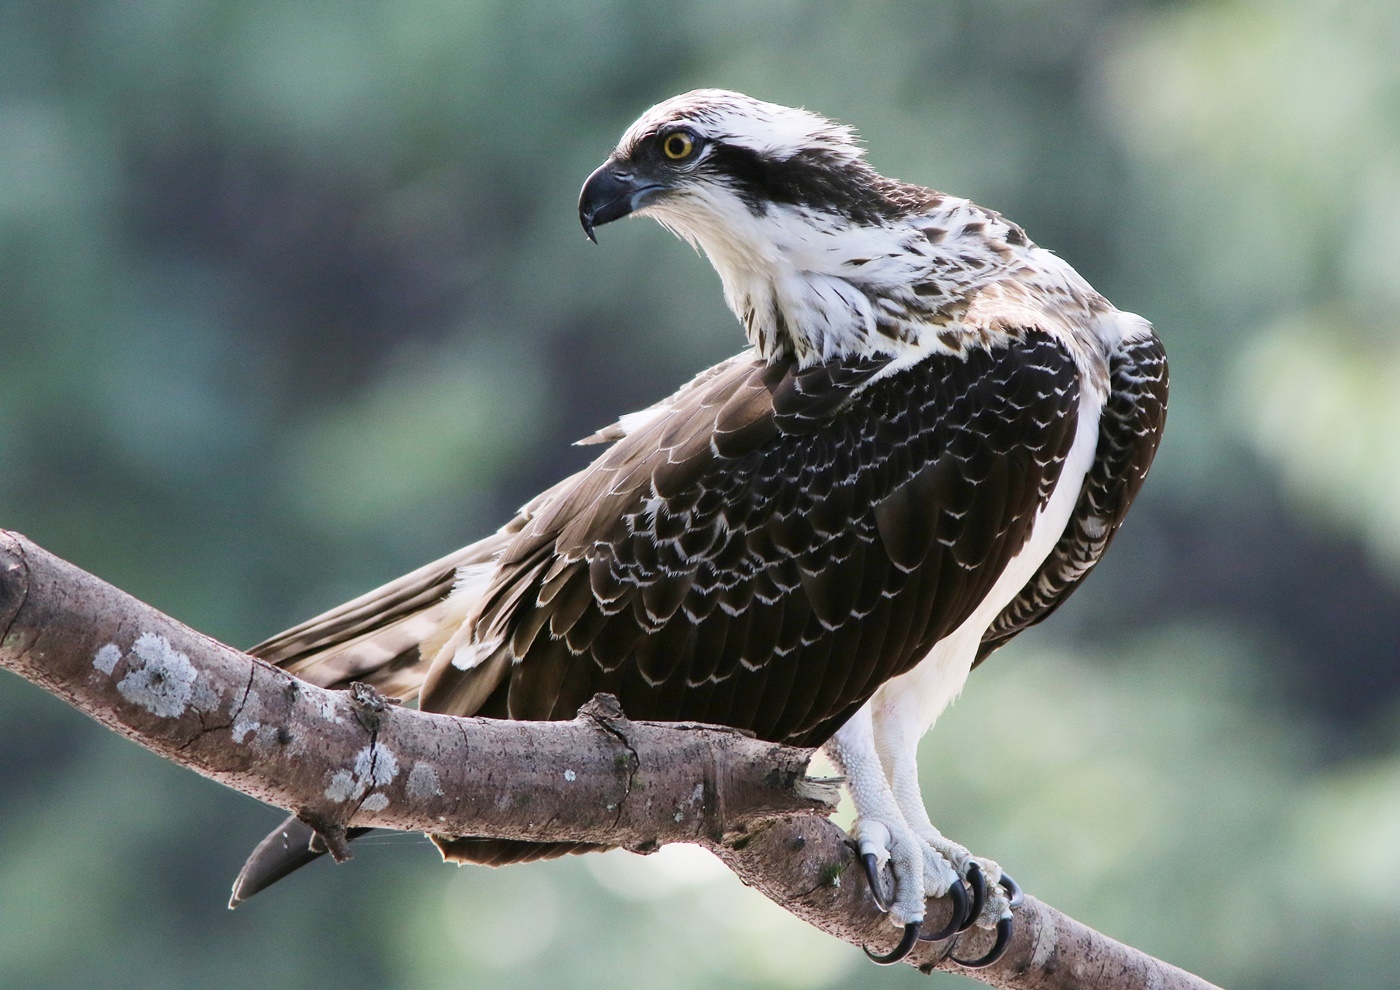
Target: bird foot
[982,876]
[1008,888]
[919,872]
[924,864]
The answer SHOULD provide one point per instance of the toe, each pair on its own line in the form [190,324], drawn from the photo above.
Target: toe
[873,838]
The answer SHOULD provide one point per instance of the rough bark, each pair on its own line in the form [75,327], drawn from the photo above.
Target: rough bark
[341,759]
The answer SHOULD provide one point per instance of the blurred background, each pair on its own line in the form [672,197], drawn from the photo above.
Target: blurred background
[293,298]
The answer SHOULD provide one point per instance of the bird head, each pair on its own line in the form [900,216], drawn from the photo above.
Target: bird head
[712,157]
[819,254]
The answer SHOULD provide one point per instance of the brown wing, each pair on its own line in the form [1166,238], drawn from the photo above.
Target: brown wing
[379,637]
[1130,427]
[779,543]
[620,429]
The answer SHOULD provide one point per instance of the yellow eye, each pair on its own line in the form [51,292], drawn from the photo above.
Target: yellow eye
[678,145]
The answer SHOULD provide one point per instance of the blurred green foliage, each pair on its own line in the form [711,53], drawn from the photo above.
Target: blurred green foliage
[293,298]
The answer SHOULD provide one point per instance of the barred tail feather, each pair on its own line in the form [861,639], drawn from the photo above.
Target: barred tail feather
[389,636]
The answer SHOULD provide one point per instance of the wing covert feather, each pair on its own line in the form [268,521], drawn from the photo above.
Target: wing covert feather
[781,540]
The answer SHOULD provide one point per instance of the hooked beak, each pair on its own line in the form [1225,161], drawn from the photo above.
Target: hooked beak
[611,193]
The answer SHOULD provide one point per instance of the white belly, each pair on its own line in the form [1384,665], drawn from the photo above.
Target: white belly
[916,698]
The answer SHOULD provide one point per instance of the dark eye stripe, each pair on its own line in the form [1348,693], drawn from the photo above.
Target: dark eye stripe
[809,178]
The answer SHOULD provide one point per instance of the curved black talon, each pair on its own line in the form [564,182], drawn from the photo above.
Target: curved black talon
[998,948]
[872,878]
[977,880]
[1013,890]
[906,944]
[956,923]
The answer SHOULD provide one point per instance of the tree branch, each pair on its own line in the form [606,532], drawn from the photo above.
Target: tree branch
[341,759]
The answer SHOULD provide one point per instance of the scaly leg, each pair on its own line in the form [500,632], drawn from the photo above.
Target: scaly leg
[897,755]
[896,732]
[882,834]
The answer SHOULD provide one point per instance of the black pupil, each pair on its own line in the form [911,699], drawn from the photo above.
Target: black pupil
[677,145]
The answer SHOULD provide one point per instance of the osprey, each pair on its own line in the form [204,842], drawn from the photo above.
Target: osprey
[932,439]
